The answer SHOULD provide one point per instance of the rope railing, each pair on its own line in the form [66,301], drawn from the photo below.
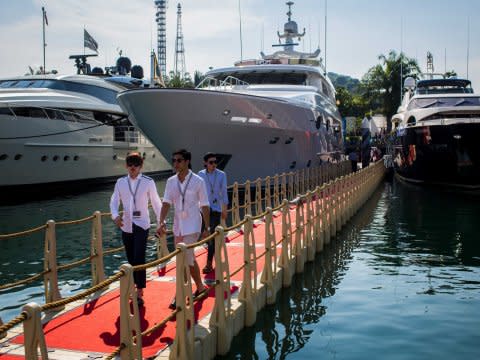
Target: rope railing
[281,186]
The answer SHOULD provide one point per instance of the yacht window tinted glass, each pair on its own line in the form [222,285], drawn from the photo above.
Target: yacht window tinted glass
[5,111]
[107,95]
[442,102]
[6,84]
[54,114]
[29,112]
[85,116]
[269,78]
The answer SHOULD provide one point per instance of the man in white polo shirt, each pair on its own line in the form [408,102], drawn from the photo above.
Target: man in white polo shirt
[187,193]
[134,191]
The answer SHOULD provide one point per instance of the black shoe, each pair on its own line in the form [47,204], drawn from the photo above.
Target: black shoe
[173,304]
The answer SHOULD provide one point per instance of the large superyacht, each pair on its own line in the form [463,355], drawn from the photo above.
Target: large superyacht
[263,116]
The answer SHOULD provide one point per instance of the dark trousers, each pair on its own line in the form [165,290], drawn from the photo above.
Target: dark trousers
[135,244]
[354,165]
[215,218]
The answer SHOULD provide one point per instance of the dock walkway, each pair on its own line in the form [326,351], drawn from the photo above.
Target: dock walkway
[252,262]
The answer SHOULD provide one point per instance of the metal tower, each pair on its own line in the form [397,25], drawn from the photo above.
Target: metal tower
[179,64]
[161,19]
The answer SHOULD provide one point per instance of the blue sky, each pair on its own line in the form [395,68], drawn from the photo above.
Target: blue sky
[358,31]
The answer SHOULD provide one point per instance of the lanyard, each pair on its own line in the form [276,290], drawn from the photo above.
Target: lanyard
[182,193]
[212,186]
[134,193]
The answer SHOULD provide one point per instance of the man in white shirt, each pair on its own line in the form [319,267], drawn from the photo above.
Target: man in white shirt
[134,191]
[187,193]
[216,182]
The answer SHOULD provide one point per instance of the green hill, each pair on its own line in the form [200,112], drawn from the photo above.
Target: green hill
[345,81]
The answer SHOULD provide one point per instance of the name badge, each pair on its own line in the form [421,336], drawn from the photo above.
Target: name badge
[137,214]
[183,215]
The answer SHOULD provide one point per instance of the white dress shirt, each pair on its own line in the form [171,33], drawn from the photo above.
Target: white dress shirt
[187,219]
[143,187]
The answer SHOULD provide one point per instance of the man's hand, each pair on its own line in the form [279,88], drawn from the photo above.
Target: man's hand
[118,221]
[162,229]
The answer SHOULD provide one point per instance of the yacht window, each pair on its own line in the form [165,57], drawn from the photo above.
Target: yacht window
[324,88]
[70,115]
[84,116]
[443,101]
[5,111]
[7,84]
[107,95]
[291,78]
[54,114]
[29,112]
[22,84]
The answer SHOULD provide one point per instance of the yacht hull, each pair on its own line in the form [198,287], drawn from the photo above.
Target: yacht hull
[253,136]
[50,153]
[446,155]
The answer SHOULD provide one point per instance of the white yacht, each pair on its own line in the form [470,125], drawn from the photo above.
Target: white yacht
[66,130]
[261,117]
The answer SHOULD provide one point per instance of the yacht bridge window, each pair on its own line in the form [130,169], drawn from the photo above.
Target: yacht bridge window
[104,94]
[432,102]
[290,78]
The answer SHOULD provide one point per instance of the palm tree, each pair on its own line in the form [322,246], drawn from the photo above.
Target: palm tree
[382,83]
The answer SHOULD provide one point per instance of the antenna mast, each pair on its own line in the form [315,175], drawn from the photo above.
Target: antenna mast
[325,37]
[161,19]
[179,64]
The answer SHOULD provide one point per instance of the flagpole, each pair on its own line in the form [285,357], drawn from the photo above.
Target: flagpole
[44,44]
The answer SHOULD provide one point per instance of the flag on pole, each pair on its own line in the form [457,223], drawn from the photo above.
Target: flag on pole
[89,41]
[45,15]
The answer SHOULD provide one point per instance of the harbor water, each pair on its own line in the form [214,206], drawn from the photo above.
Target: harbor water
[401,280]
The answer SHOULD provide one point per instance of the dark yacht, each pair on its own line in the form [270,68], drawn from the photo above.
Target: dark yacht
[436,133]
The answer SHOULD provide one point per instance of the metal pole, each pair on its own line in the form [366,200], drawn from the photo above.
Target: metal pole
[325,37]
[44,44]
[241,42]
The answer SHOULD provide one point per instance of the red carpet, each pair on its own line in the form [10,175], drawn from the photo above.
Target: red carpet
[95,326]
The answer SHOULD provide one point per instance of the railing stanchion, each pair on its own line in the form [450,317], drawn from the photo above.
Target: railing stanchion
[221,316]
[96,250]
[235,204]
[184,342]
[34,338]
[50,264]
[248,291]
[130,334]
[269,272]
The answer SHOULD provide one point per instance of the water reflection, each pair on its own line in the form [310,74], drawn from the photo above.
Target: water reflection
[287,326]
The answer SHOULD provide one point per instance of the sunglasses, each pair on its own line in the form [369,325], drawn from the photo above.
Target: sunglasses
[211,162]
[178,160]
[135,164]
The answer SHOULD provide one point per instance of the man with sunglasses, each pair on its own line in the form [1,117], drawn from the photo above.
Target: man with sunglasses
[134,191]
[187,193]
[216,182]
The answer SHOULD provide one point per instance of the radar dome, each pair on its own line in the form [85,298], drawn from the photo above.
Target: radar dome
[291,27]
[124,65]
[97,70]
[137,72]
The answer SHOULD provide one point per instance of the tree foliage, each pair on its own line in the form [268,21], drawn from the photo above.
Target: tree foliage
[175,80]
[382,84]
